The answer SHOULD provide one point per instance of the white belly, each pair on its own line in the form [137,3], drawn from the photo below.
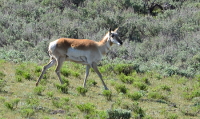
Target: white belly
[82,56]
[76,53]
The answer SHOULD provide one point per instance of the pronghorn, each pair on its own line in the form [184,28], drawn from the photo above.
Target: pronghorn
[83,51]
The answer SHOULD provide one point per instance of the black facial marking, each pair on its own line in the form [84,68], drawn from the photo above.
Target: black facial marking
[117,38]
[112,35]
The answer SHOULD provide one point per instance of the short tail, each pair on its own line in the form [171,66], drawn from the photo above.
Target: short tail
[52,47]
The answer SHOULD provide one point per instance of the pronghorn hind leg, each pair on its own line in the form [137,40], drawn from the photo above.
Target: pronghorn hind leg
[86,75]
[94,66]
[60,61]
[50,64]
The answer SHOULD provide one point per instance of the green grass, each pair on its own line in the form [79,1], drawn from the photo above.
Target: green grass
[82,90]
[62,87]
[143,98]
[155,73]
[107,94]
[135,96]
[12,104]
[121,88]
[60,103]
[27,113]
[38,90]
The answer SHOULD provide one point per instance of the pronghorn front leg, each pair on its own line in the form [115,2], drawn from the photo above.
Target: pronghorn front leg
[60,61]
[51,63]
[86,75]
[94,66]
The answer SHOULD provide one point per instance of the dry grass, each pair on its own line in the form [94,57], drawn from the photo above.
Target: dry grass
[174,105]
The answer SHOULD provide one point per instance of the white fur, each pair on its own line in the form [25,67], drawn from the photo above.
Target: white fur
[80,56]
[52,46]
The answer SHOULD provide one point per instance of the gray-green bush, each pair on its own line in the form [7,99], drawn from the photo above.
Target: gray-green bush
[119,114]
[152,42]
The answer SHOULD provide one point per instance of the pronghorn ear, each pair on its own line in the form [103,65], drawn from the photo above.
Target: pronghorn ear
[116,30]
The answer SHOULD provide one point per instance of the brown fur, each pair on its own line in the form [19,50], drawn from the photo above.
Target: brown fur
[82,44]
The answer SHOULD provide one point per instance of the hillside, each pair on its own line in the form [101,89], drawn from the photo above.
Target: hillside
[168,42]
[147,95]
[158,65]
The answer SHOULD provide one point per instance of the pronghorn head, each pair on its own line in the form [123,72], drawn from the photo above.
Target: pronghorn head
[114,38]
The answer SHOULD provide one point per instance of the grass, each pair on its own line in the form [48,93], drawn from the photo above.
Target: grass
[38,90]
[12,104]
[135,96]
[107,94]
[149,97]
[82,90]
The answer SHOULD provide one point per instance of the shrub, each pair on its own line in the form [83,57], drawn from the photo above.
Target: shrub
[154,29]
[38,69]
[172,116]
[21,72]
[196,58]
[2,84]
[62,87]
[145,80]
[66,81]
[156,95]
[2,61]
[38,90]
[18,78]
[192,94]
[140,85]
[105,68]
[126,79]
[57,103]
[102,114]
[44,81]
[65,72]
[76,74]
[119,114]
[60,103]
[50,94]
[32,101]
[107,94]
[87,108]
[2,75]
[2,99]
[92,82]
[27,75]
[171,71]
[198,78]
[158,77]
[81,90]
[137,111]
[30,26]
[121,88]
[65,99]
[27,112]
[135,96]
[165,87]
[12,104]
[124,68]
